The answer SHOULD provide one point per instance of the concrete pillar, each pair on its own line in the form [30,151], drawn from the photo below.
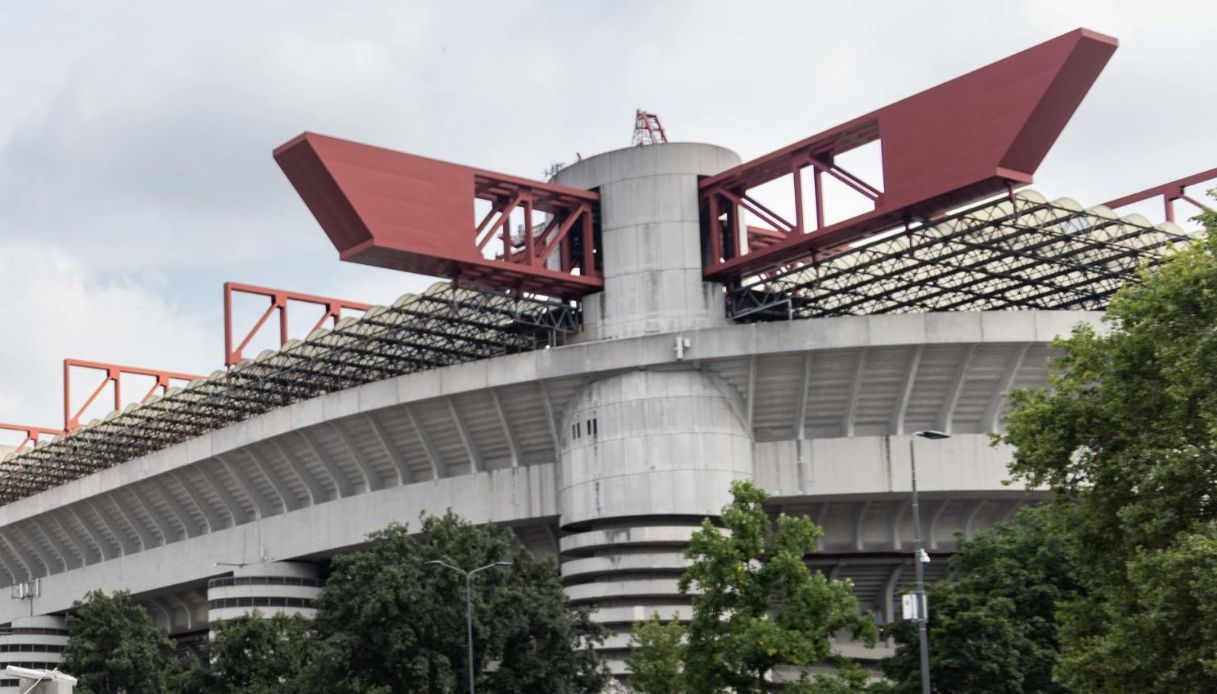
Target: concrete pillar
[32,642]
[287,587]
[650,238]
[646,455]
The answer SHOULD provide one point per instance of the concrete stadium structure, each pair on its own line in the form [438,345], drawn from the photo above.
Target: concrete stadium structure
[605,447]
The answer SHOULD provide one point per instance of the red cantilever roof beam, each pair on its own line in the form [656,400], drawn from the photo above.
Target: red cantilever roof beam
[113,377]
[1169,192]
[32,434]
[405,212]
[974,136]
[279,299]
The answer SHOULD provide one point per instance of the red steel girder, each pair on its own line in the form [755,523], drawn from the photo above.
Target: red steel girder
[405,212]
[279,300]
[32,434]
[1169,192]
[113,377]
[974,136]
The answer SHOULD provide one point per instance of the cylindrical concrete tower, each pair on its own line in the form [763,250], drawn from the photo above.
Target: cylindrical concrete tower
[32,642]
[650,238]
[646,454]
[287,587]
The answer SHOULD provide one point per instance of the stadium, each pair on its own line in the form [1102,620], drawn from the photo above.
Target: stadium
[605,353]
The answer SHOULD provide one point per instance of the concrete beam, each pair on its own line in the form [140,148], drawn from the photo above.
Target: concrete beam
[337,476]
[906,391]
[511,441]
[424,440]
[316,494]
[213,520]
[475,458]
[371,478]
[386,444]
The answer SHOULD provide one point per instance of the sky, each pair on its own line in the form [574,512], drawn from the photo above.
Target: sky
[135,137]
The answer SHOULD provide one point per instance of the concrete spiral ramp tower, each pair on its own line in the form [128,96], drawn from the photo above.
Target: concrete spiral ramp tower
[646,453]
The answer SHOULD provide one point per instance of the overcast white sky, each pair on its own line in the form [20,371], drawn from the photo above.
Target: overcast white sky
[135,137]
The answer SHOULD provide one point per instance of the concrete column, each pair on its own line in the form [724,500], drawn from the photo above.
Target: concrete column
[646,456]
[32,642]
[287,587]
[650,239]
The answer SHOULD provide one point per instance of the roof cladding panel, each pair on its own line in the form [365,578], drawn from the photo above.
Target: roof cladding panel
[445,325]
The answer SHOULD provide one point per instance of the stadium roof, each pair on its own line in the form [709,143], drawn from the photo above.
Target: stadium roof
[1015,253]
[444,325]
[1020,252]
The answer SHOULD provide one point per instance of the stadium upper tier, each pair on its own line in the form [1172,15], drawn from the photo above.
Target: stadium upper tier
[442,326]
[1015,253]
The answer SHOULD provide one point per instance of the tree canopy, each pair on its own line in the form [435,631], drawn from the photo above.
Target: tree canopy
[1126,435]
[993,626]
[115,646]
[253,654]
[756,604]
[389,621]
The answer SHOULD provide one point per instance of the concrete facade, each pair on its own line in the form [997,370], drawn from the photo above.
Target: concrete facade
[607,452]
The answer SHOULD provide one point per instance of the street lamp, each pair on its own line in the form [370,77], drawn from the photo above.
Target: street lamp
[918,554]
[469,603]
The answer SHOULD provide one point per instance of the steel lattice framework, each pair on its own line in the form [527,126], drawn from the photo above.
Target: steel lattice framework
[445,325]
[1023,252]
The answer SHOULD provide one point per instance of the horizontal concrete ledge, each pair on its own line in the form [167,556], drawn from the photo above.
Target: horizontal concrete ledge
[636,588]
[658,535]
[642,562]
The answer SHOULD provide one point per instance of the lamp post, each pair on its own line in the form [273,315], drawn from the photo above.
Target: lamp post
[918,553]
[469,603]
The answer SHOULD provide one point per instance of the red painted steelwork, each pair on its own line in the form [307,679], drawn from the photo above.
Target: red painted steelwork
[406,212]
[278,303]
[113,376]
[31,433]
[974,136]
[1169,192]
[647,129]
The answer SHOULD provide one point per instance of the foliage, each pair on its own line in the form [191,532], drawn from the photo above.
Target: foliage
[656,661]
[114,646]
[389,621]
[1126,434]
[756,604]
[993,629]
[254,654]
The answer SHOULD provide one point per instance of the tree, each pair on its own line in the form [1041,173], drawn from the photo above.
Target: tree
[114,646]
[994,628]
[1126,435]
[756,604]
[389,621]
[254,654]
[656,659]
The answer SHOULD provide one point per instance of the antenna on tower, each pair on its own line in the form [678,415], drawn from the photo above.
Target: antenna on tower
[647,129]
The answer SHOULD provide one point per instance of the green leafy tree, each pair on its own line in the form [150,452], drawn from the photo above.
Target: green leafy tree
[114,646]
[1126,434]
[390,622]
[656,660]
[756,604]
[994,629]
[254,654]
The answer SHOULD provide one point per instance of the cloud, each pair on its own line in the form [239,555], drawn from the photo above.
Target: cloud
[68,310]
[135,138]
